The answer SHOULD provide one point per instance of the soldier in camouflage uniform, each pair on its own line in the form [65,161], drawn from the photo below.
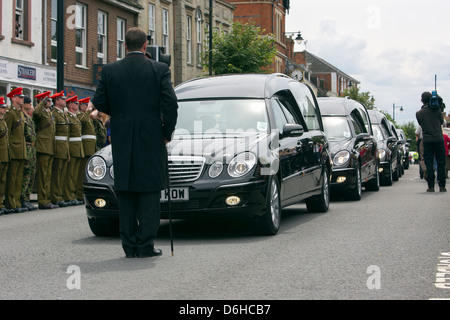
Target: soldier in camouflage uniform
[29,168]
[4,155]
[100,130]
[15,120]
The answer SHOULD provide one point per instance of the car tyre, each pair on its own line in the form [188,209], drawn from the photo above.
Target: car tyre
[104,227]
[356,191]
[269,223]
[374,184]
[396,174]
[321,202]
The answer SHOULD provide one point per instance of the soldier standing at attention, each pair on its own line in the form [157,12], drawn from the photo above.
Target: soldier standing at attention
[89,139]
[100,130]
[29,168]
[76,153]
[45,149]
[62,157]
[4,155]
[15,120]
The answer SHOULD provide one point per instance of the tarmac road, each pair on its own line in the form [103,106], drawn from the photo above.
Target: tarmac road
[387,246]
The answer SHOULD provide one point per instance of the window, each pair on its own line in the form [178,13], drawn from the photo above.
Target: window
[189,39]
[80,35]
[199,38]
[1,21]
[102,38]
[120,39]
[151,23]
[305,101]
[19,20]
[53,35]
[165,31]
[22,20]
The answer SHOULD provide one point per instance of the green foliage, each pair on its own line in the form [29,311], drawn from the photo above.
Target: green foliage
[410,132]
[244,49]
[364,97]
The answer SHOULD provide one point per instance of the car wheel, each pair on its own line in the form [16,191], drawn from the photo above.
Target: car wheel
[269,224]
[396,174]
[356,191]
[321,202]
[104,227]
[387,181]
[374,184]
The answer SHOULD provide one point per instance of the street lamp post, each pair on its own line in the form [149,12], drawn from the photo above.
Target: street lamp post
[210,36]
[393,110]
[298,38]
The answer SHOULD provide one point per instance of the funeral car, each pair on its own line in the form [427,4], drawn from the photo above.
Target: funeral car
[245,146]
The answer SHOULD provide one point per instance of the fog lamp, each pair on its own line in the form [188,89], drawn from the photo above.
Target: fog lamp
[380,170]
[341,179]
[233,200]
[100,203]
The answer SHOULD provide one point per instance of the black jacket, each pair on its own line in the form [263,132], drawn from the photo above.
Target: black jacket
[138,95]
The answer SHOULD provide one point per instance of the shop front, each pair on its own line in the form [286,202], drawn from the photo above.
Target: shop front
[34,78]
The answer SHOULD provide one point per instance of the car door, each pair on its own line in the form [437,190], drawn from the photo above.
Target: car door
[363,145]
[292,161]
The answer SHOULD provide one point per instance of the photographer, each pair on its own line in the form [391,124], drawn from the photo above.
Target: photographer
[431,121]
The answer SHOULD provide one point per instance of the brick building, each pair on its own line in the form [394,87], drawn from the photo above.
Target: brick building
[94,35]
[329,80]
[269,15]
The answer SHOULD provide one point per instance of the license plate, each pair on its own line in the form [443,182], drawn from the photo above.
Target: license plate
[176,194]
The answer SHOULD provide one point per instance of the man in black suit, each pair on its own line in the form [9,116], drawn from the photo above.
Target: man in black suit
[138,95]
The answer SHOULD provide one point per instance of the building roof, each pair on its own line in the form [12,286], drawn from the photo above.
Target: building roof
[318,65]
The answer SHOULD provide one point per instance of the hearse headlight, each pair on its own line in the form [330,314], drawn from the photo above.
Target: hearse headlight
[96,168]
[341,158]
[216,169]
[241,164]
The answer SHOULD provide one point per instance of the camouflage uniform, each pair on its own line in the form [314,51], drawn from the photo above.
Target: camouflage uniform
[100,132]
[29,170]
[4,160]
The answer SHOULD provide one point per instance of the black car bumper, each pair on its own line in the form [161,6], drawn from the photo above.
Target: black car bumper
[348,175]
[102,201]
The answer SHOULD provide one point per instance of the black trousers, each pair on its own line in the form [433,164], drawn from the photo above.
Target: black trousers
[139,220]
[432,150]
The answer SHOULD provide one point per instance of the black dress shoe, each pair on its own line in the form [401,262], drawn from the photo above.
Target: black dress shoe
[28,205]
[8,211]
[154,253]
[20,210]
[48,206]
[130,255]
[61,204]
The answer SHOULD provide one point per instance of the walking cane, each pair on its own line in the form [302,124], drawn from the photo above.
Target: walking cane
[169,202]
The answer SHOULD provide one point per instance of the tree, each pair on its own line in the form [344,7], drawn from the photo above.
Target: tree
[364,97]
[410,133]
[245,49]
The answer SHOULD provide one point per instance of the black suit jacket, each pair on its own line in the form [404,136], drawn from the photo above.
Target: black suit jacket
[138,95]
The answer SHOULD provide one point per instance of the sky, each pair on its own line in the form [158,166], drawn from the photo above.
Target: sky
[394,48]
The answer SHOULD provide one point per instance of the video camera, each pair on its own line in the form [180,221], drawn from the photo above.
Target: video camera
[157,53]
